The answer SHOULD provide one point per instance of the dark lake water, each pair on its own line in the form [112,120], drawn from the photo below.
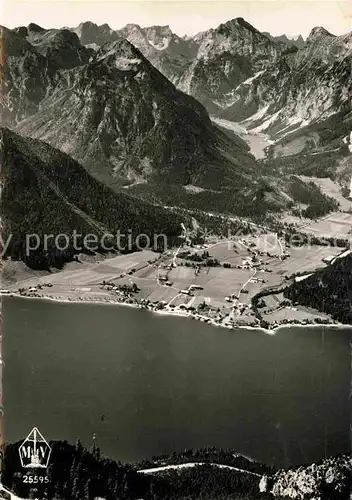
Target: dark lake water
[166,383]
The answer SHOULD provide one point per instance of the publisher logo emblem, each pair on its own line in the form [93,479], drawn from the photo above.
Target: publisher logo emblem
[34,451]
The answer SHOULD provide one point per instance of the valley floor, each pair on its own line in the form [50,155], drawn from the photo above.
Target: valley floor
[219,293]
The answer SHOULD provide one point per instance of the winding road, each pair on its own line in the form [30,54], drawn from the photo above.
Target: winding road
[194,464]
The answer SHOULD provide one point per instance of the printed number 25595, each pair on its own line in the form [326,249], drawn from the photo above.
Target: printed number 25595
[35,479]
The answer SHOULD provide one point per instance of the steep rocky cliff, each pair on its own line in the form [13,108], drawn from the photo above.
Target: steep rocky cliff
[327,480]
[227,56]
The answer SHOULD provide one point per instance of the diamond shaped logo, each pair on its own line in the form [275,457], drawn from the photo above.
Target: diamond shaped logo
[34,451]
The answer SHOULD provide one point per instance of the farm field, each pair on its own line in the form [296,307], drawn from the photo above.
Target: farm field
[293,314]
[219,282]
[336,225]
[84,274]
[304,259]
[225,293]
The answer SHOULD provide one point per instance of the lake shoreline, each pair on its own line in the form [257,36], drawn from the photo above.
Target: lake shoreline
[156,380]
[182,314]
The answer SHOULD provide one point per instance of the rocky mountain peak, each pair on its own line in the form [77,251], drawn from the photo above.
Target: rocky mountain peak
[318,32]
[160,36]
[291,41]
[86,26]
[161,30]
[235,24]
[227,56]
[16,45]
[136,35]
[133,27]
[120,53]
[35,28]
[91,33]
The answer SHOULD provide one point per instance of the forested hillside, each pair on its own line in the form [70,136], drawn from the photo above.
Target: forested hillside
[328,290]
[76,474]
[46,192]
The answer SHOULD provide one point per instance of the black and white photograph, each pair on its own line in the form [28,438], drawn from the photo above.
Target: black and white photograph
[176,258]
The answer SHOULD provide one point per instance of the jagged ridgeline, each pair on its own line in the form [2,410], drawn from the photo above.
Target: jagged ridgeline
[47,192]
[296,90]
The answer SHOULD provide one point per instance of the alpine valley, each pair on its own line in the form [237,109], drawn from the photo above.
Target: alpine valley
[228,129]
[235,147]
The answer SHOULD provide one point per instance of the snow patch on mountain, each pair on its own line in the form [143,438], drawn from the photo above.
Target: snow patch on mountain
[124,63]
[233,126]
[267,123]
[161,45]
[261,113]
[252,78]
[93,46]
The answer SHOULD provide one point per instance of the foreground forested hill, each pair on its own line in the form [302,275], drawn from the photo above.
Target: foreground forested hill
[74,473]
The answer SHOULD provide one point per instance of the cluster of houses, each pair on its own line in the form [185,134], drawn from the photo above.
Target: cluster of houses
[190,289]
[31,291]
[305,321]
[126,288]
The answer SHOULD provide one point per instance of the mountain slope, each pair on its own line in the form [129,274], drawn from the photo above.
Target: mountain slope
[297,91]
[122,119]
[25,78]
[303,101]
[227,56]
[33,56]
[58,196]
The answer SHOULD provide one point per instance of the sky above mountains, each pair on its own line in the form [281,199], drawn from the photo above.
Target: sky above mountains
[183,16]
